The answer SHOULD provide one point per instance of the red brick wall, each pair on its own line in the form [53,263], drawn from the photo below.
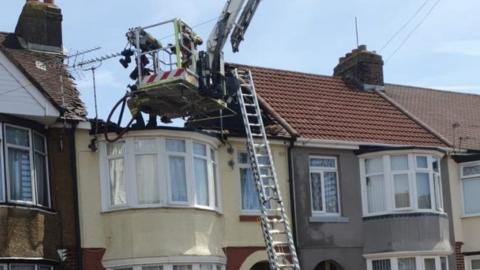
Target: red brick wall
[92,258]
[237,255]
[459,258]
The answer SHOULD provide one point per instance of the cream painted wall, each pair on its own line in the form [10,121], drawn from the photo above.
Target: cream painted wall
[466,229]
[141,232]
[247,233]
[168,231]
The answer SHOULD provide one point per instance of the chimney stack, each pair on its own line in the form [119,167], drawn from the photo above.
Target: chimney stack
[362,67]
[39,26]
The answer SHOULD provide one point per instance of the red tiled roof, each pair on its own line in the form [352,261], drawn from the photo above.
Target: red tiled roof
[46,81]
[323,107]
[441,110]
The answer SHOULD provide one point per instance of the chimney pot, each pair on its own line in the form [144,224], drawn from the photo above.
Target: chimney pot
[52,2]
[362,47]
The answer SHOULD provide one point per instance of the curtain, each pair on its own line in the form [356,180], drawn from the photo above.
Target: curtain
[402,190]
[373,165]
[316,182]
[20,174]
[44,267]
[250,199]
[376,193]
[331,192]
[471,195]
[118,193]
[206,267]
[40,163]
[175,145]
[437,187]
[399,163]
[178,179]
[423,191]
[381,265]
[406,264]
[201,181]
[429,264]
[422,162]
[147,182]
[182,267]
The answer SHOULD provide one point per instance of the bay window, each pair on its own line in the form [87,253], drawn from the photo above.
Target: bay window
[23,166]
[182,266]
[401,183]
[470,175]
[408,263]
[324,185]
[25,266]
[156,172]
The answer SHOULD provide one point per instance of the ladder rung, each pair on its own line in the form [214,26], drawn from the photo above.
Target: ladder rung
[252,114]
[280,244]
[250,105]
[286,266]
[247,95]
[259,145]
[278,232]
[245,85]
[254,125]
[275,220]
[266,176]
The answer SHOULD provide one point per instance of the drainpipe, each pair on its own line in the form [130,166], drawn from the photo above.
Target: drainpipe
[293,206]
[73,168]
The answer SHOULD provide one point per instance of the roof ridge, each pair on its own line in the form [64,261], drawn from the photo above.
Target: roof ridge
[288,71]
[432,89]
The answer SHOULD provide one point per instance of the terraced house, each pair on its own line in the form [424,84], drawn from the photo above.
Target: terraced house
[370,181]
[39,109]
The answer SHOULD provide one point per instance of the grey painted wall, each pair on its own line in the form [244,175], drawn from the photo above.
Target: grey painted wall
[346,242]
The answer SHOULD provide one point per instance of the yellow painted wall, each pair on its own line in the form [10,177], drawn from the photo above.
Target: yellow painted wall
[466,229]
[168,231]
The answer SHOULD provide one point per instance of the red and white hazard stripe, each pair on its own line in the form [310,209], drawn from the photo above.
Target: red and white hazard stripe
[167,75]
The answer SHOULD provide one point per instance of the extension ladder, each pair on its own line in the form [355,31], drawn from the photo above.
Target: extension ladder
[274,220]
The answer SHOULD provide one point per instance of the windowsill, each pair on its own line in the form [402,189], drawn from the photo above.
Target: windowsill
[404,213]
[471,216]
[251,218]
[328,219]
[29,207]
[166,207]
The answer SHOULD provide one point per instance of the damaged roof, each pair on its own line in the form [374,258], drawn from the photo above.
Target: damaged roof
[328,108]
[456,116]
[47,78]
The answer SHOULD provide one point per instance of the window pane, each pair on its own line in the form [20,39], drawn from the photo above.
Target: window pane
[430,264]
[175,145]
[406,264]
[435,165]
[424,198]
[200,149]
[250,199]
[146,176]
[471,196]
[182,267]
[212,155]
[178,179]
[206,267]
[402,190]
[316,185]
[475,264]
[114,149]
[117,182]
[201,181]
[444,266]
[44,267]
[17,136]
[422,162]
[322,162]
[376,193]
[157,267]
[381,265]
[471,170]
[374,165]
[331,192]
[437,187]
[399,163]
[20,175]
[41,178]
[145,145]
[22,267]
[243,158]
[39,143]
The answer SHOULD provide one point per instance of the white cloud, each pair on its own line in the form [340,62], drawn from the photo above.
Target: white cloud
[461,47]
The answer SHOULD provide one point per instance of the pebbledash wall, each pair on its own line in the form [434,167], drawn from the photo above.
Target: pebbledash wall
[126,226]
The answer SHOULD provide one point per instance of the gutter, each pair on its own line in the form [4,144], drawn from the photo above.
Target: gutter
[73,158]
[291,185]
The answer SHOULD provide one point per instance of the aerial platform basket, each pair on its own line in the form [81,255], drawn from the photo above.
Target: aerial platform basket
[171,87]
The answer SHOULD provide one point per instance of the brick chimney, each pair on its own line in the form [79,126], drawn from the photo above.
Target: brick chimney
[362,67]
[40,26]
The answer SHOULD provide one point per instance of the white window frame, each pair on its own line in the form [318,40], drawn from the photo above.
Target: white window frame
[205,158]
[419,261]
[247,212]
[7,266]
[468,261]
[467,177]
[162,174]
[407,172]
[321,171]
[169,265]
[388,173]
[31,150]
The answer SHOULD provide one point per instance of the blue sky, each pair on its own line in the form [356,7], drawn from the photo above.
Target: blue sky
[301,35]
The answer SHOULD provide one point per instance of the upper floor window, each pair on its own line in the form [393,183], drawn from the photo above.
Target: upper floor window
[404,182]
[160,172]
[324,185]
[470,173]
[23,166]
[183,266]
[249,193]
[24,266]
